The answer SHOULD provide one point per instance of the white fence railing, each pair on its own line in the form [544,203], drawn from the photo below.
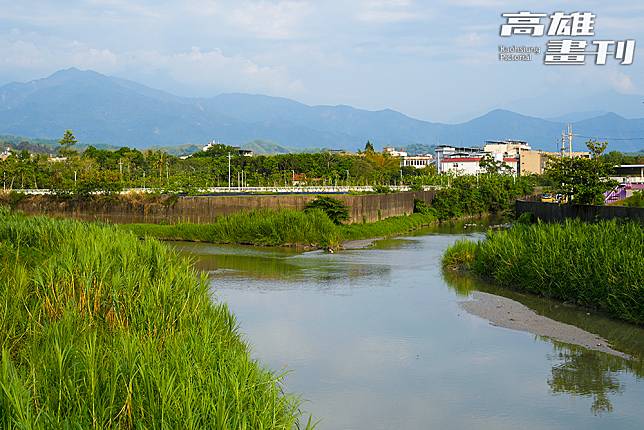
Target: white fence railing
[254,190]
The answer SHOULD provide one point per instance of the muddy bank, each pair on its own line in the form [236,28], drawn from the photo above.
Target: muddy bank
[359,244]
[504,312]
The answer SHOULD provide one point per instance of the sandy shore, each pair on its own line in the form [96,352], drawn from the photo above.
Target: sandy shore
[504,312]
[359,244]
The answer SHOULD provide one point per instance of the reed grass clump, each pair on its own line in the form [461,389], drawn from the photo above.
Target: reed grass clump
[259,227]
[460,256]
[265,227]
[386,227]
[599,265]
[102,330]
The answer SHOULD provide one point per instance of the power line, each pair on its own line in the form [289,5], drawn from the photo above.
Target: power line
[610,138]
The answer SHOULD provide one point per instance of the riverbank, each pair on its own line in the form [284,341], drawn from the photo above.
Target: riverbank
[101,330]
[263,227]
[310,229]
[598,266]
[504,312]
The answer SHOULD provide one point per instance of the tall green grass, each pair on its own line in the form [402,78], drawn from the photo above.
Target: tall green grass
[102,330]
[386,227]
[280,228]
[598,265]
[260,227]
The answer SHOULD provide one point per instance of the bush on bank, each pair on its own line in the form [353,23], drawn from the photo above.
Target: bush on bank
[598,265]
[102,330]
[470,195]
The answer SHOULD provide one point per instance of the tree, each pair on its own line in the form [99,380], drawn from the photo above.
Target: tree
[493,166]
[334,208]
[368,147]
[66,143]
[583,180]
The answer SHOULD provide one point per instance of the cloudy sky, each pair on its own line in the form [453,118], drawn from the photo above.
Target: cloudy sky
[434,60]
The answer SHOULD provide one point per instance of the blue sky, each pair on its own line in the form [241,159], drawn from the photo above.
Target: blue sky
[434,60]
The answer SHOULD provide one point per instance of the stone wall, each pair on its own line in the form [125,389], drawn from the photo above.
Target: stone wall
[203,209]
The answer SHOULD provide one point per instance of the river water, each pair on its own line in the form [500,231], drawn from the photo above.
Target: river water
[376,339]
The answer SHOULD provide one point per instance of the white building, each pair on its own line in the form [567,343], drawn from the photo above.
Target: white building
[5,154]
[242,152]
[417,161]
[467,160]
[394,152]
[444,152]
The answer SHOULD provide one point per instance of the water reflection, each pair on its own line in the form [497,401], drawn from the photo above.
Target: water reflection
[575,370]
[375,339]
[586,374]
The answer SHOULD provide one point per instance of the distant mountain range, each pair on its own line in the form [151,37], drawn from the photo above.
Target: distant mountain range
[113,111]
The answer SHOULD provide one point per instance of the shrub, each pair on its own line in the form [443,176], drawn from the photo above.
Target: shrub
[382,189]
[421,207]
[334,208]
[525,218]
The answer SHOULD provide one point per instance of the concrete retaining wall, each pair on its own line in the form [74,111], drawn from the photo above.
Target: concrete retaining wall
[555,212]
[203,209]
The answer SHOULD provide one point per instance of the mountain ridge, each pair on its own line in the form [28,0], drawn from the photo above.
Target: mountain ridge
[119,112]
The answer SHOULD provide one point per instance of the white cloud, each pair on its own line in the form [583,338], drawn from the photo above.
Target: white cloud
[621,82]
[212,69]
[390,11]
[270,20]
[195,69]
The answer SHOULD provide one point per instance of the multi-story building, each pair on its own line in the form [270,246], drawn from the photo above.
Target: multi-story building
[394,152]
[406,160]
[417,161]
[517,155]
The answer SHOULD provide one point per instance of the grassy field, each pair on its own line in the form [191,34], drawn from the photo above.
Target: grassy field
[599,265]
[102,330]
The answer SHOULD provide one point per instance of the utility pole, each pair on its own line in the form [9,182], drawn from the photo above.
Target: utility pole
[229,170]
[563,144]
[570,139]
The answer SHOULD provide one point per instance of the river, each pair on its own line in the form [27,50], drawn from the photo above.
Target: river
[378,338]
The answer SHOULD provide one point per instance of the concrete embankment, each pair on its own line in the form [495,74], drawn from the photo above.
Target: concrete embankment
[204,209]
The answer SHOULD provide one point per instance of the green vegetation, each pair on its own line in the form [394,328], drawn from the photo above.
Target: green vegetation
[386,227]
[634,201]
[101,330]
[333,208]
[583,180]
[260,227]
[312,228]
[320,225]
[67,144]
[107,170]
[469,195]
[597,265]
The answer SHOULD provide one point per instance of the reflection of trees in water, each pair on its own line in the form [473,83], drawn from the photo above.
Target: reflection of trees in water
[578,371]
[586,373]
[280,269]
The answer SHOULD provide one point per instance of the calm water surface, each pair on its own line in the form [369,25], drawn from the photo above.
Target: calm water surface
[375,339]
